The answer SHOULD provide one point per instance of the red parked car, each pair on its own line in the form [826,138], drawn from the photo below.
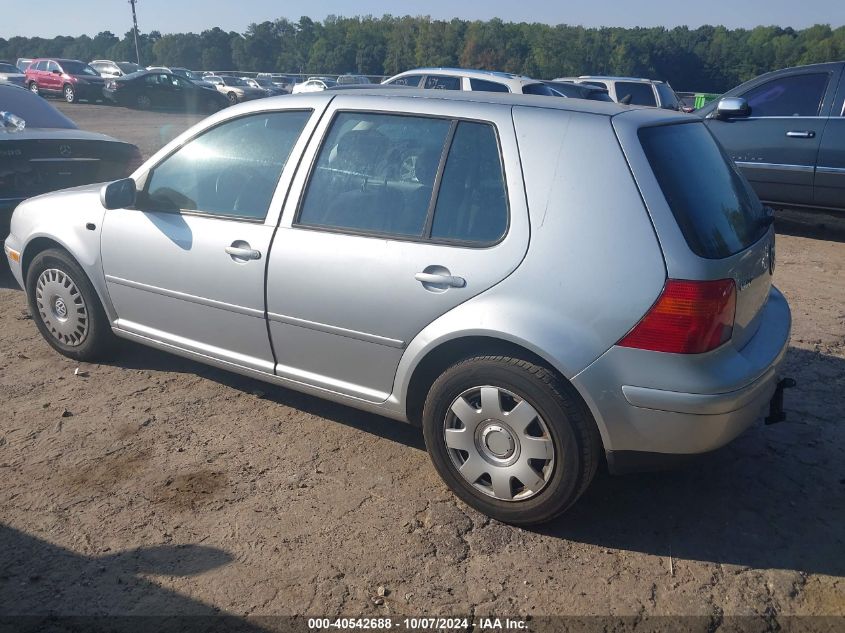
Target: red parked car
[70,78]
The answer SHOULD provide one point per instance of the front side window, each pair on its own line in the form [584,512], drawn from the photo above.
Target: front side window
[798,95]
[632,93]
[231,170]
[668,98]
[378,174]
[442,83]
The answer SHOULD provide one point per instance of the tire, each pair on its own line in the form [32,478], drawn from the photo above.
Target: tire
[554,435]
[56,286]
[232,97]
[33,87]
[69,94]
[143,102]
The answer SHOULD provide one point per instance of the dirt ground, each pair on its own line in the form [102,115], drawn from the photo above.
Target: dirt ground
[152,484]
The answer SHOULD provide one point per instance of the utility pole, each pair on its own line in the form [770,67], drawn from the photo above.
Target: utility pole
[135,32]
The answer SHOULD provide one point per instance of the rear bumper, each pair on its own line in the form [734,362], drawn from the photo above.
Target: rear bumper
[653,407]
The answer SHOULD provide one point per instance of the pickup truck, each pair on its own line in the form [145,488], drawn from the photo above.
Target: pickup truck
[786,132]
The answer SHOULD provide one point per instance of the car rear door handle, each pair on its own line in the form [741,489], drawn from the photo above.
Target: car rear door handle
[243,253]
[441,280]
[801,134]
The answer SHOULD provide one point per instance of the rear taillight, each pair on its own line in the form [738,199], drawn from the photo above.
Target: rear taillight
[689,317]
[134,162]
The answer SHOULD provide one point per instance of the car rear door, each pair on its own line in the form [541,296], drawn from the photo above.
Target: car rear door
[829,185]
[386,231]
[185,267]
[777,145]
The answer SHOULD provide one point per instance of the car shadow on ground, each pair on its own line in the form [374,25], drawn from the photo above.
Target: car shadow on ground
[818,225]
[134,356]
[7,282]
[771,499]
[42,585]
[774,498]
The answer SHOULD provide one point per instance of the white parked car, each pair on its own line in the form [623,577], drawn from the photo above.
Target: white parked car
[314,84]
[633,90]
[469,79]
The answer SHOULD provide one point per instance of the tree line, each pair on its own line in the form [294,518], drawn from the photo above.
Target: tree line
[708,58]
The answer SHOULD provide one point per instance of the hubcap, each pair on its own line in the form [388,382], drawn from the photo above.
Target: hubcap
[499,443]
[61,307]
[69,94]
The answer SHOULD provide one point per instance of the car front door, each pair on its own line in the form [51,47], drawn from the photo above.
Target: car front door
[400,218]
[53,77]
[777,144]
[829,189]
[185,267]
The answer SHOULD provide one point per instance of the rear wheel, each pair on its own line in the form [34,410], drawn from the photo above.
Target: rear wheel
[143,102]
[69,94]
[510,438]
[66,308]
[33,87]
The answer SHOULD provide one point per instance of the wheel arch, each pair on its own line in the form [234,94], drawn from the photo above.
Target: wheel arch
[42,243]
[445,354]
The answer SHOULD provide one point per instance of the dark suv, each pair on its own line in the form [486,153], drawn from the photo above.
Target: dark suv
[786,132]
[70,78]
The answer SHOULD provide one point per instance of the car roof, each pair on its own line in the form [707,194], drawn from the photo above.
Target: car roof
[602,108]
[619,78]
[469,72]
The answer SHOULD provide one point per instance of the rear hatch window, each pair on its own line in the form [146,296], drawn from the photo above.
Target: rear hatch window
[713,205]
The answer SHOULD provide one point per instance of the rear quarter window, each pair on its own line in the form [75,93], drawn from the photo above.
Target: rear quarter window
[714,206]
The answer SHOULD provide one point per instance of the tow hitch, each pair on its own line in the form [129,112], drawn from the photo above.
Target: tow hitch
[776,412]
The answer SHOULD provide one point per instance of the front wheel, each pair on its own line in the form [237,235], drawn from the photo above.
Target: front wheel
[232,97]
[33,87]
[69,94]
[65,307]
[510,438]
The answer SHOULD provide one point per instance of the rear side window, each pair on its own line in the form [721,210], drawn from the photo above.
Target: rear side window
[384,174]
[487,86]
[472,202]
[798,95]
[635,93]
[712,204]
[442,83]
[375,174]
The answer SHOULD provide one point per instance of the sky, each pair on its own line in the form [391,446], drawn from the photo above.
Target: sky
[77,17]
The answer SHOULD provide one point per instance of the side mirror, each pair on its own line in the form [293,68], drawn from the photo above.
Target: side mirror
[118,194]
[732,108]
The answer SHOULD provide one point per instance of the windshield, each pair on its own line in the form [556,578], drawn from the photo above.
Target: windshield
[78,68]
[234,81]
[128,67]
[37,112]
[713,204]
[9,68]
[264,82]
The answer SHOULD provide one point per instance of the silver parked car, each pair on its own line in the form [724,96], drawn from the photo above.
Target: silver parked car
[533,305]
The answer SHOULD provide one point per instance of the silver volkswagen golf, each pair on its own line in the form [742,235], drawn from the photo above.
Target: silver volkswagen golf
[539,283]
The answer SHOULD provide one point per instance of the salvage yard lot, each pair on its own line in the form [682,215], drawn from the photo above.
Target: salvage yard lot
[154,484]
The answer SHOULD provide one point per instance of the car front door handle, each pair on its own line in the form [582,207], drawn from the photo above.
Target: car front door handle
[239,252]
[801,134]
[441,280]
